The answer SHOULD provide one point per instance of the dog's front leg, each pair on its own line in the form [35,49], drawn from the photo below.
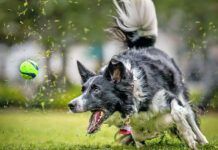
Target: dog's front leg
[179,115]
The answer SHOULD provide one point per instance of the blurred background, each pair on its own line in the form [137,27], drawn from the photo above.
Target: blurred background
[56,33]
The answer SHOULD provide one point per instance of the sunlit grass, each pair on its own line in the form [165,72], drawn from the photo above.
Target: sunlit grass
[21,129]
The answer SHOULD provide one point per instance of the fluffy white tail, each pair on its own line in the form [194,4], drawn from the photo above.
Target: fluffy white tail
[136,19]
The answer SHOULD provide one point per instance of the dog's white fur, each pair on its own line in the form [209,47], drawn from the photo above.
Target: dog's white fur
[139,15]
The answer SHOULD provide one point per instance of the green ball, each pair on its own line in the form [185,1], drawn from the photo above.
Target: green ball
[29,69]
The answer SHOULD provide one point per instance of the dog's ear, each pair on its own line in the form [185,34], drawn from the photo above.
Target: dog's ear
[84,73]
[115,71]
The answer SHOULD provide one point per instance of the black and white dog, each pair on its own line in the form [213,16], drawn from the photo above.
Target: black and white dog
[140,79]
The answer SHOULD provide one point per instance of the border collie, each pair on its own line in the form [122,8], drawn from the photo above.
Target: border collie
[141,80]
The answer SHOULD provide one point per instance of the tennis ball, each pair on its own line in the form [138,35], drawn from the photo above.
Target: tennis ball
[29,69]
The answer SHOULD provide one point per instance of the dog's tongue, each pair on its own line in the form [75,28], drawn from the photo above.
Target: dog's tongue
[95,118]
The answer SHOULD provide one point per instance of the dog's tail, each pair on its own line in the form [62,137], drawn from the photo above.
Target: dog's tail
[136,24]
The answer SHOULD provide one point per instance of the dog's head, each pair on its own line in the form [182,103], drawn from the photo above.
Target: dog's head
[104,93]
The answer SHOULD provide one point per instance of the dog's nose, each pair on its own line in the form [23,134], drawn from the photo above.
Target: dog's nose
[72,105]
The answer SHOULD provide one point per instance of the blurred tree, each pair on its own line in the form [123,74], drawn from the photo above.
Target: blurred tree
[58,23]
[54,23]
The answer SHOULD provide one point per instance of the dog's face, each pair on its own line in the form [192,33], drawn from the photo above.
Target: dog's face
[103,94]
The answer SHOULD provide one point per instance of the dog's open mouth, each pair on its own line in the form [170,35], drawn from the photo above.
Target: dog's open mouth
[95,121]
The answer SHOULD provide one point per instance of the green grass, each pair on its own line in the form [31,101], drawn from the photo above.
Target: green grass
[22,129]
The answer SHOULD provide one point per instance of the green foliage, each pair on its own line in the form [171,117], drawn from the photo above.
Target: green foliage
[11,96]
[58,98]
[196,97]
[214,100]
[58,23]
[14,97]
[53,22]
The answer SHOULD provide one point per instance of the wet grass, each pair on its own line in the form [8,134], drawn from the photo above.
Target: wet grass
[22,129]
